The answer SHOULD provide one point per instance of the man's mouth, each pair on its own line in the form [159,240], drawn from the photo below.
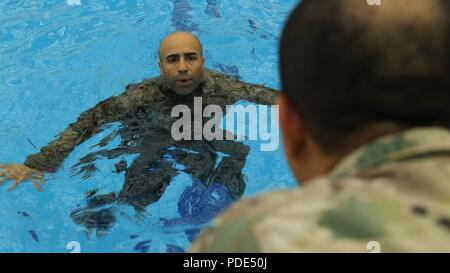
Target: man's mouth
[184,81]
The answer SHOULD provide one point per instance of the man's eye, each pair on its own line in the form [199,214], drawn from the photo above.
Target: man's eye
[171,60]
[192,58]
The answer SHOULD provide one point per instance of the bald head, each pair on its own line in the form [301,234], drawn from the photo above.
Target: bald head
[346,65]
[178,38]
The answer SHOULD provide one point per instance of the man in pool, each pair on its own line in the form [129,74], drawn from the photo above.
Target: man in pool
[144,110]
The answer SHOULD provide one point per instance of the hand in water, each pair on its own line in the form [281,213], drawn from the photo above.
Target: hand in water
[21,173]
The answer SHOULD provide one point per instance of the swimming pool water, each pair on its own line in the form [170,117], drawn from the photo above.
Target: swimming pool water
[59,58]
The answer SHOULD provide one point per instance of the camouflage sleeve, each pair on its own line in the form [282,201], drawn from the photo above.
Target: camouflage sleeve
[238,90]
[357,217]
[253,92]
[88,123]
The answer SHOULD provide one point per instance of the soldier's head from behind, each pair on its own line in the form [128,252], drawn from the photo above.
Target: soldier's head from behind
[181,62]
[351,72]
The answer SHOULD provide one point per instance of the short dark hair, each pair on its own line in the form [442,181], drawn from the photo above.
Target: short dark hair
[344,68]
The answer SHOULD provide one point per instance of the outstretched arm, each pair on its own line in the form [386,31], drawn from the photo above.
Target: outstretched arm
[254,93]
[88,123]
[237,90]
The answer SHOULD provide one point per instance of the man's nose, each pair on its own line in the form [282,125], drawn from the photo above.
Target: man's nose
[182,68]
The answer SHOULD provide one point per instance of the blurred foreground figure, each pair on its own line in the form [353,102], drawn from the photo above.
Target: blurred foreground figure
[365,116]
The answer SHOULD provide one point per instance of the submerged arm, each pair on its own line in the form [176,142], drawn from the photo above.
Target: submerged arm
[88,123]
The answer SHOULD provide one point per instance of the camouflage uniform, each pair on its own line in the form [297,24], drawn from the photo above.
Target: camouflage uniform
[147,96]
[394,190]
[144,110]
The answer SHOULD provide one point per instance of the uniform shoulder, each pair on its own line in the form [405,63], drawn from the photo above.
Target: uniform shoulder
[327,217]
[217,75]
[147,90]
[233,231]
[149,84]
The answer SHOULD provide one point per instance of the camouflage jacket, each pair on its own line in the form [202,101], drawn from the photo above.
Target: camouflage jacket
[152,96]
[390,195]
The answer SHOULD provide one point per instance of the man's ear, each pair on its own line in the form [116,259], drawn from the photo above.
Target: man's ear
[292,127]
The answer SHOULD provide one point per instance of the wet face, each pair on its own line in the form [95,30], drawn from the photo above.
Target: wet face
[181,62]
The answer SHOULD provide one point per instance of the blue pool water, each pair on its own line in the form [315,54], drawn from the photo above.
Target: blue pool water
[59,58]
